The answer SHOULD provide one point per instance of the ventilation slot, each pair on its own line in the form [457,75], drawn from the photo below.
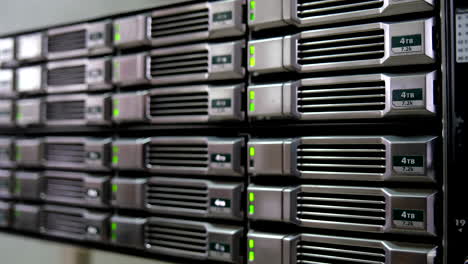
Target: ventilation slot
[70,153]
[64,188]
[342,208]
[316,8]
[179,104]
[343,47]
[180,23]
[187,239]
[66,76]
[341,158]
[172,155]
[344,97]
[316,252]
[69,110]
[173,196]
[181,63]
[67,41]
[64,223]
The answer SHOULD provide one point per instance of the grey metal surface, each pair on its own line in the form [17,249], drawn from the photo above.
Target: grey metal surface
[29,15]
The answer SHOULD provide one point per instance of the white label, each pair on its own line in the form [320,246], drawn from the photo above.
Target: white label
[6,49]
[29,79]
[462,37]
[30,46]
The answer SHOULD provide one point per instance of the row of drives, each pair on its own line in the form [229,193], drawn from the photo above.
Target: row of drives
[190,195]
[394,210]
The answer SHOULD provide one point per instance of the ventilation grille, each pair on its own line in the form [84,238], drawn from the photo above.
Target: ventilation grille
[341,208]
[192,62]
[315,252]
[176,197]
[180,23]
[178,156]
[341,158]
[70,153]
[64,188]
[65,223]
[66,76]
[195,103]
[342,47]
[316,8]
[186,239]
[67,41]
[68,110]
[345,97]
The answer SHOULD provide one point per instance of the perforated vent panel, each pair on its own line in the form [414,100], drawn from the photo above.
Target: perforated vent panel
[182,104]
[64,223]
[66,76]
[341,158]
[317,8]
[179,23]
[177,156]
[352,46]
[179,63]
[70,153]
[174,196]
[67,110]
[64,188]
[67,41]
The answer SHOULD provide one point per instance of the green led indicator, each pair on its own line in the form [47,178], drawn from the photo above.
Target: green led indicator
[115,159]
[117,36]
[116,112]
[251,243]
[114,236]
[115,188]
[252,95]
[253,4]
[252,107]
[252,196]
[115,149]
[17,186]
[114,226]
[252,151]
[252,16]
[19,116]
[116,102]
[17,213]
[251,209]
[251,256]
[252,50]
[252,62]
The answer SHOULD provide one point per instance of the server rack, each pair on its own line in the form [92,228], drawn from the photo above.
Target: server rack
[241,131]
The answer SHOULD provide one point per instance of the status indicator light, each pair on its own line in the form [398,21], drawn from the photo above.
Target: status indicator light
[114,226]
[252,16]
[19,116]
[251,197]
[253,4]
[115,188]
[117,35]
[252,62]
[115,159]
[252,107]
[115,156]
[251,209]
[18,154]
[252,95]
[116,112]
[251,243]
[252,151]
[252,50]
[251,256]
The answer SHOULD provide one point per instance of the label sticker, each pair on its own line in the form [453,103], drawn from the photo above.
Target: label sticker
[408,218]
[93,155]
[95,36]
[224,59]
[222,16]
[407,97]
[221,103]
[408,164]
[221,250]
[220,158]
[220,203]
[94,110]
[407,44]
